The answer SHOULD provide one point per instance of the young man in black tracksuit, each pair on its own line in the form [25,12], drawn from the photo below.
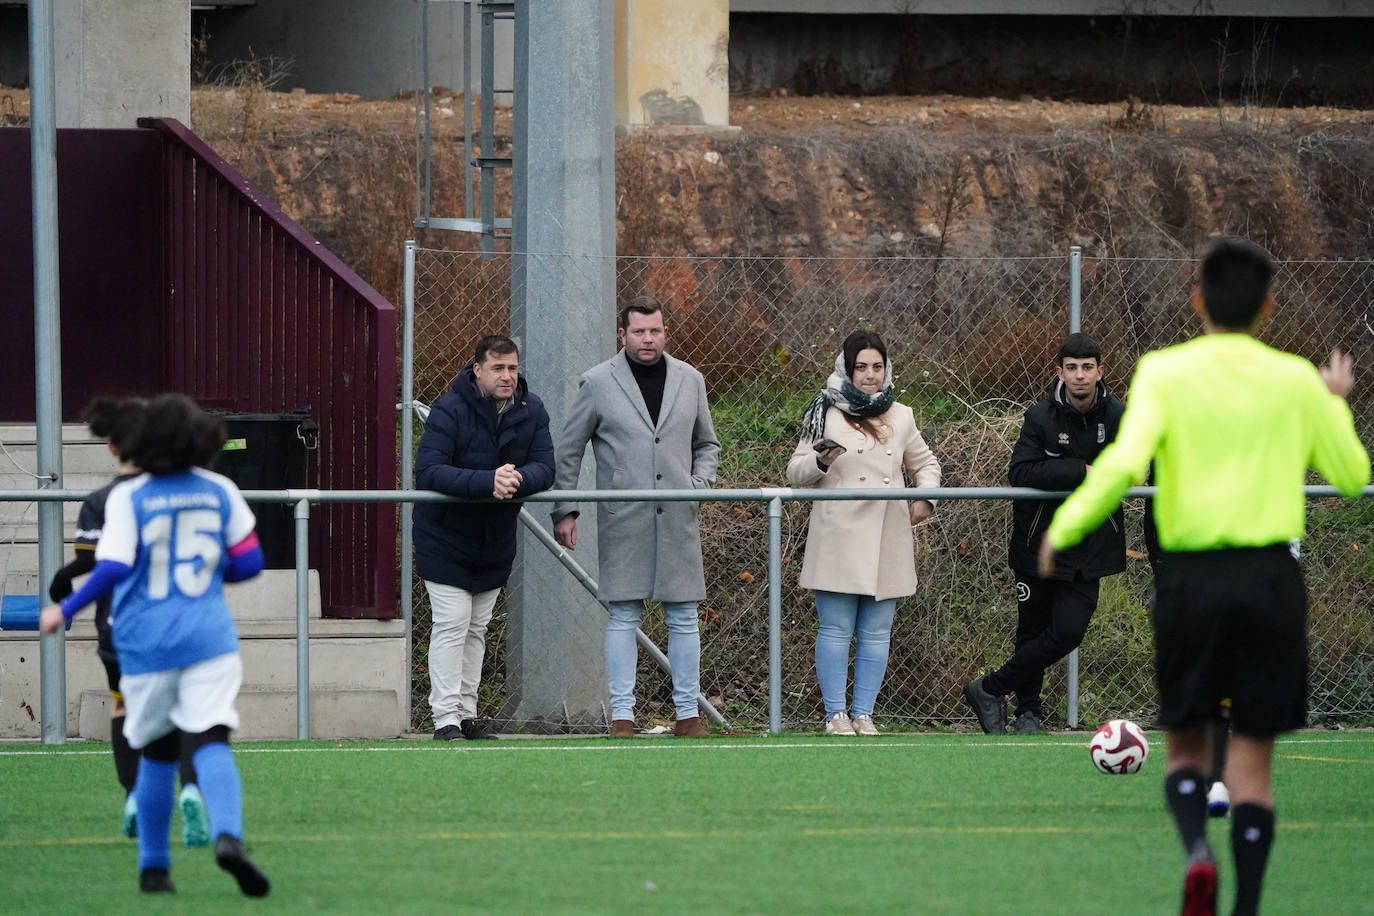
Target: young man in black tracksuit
[1060,438]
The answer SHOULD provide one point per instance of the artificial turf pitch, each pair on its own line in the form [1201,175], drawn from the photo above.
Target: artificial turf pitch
[790,824]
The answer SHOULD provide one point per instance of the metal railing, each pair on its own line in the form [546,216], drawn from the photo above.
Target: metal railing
[774,499]
[972,343]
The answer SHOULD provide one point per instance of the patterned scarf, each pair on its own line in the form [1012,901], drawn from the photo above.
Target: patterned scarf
[839,391]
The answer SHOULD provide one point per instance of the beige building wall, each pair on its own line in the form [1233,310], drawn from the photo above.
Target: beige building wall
[117,61]
[671,63]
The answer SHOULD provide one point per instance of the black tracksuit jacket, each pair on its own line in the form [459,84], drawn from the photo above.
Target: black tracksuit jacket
[1056,445]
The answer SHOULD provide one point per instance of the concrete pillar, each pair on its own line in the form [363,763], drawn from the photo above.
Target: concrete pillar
[119,61]
[563,313]
[671,63]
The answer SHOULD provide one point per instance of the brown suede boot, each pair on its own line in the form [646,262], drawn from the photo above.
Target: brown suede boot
[622,728]
[690,728]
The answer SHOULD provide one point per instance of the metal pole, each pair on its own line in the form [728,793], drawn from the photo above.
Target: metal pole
[775,614]
[1075,289]
[303,619]
[407,460]
[424,75]
[47,350]
[488,141]
[1075,325]
[419,163]
[467,109]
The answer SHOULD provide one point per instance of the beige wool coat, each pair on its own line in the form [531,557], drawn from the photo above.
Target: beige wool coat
[864,547]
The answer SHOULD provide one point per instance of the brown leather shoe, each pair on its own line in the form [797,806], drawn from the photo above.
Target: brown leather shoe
[690,728]
[622,728]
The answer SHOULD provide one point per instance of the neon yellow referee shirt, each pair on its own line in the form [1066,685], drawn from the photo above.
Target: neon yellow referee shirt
[1232,425]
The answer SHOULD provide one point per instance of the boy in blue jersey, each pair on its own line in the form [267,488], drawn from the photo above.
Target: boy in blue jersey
[173,535]
[116,420]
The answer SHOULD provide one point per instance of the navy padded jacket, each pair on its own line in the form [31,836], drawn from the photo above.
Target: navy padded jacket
[472,545]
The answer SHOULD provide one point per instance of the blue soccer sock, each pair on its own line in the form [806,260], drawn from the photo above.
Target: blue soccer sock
[220,787]
[153,792]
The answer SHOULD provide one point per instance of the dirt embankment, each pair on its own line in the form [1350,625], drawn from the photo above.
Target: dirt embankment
[841,176]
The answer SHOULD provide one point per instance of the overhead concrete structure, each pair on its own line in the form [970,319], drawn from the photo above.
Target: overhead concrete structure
[1272,8]
[114,66]
[672,63]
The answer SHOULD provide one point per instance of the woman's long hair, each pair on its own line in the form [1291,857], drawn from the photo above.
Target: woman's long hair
[853,345]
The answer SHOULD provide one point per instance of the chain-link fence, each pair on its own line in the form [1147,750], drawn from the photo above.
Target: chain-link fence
[972,344]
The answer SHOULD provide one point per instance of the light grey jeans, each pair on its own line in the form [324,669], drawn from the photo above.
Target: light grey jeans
[684,655]
[456,647]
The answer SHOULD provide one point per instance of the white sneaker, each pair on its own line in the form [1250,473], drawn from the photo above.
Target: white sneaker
[839,724]
[863,725]
[1218,800]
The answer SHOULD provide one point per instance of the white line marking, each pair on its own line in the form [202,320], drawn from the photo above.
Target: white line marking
[513,747]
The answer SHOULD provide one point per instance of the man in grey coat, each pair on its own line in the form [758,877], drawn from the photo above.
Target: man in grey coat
[646,417]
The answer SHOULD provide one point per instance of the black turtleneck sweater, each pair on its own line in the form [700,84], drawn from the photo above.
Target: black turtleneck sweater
[651,380]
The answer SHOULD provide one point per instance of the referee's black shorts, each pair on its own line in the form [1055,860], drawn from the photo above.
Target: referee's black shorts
[1232,623]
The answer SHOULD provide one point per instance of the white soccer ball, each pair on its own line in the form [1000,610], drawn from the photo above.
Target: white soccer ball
[1119,746]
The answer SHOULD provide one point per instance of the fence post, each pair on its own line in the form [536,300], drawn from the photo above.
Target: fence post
[1075,289]
[303,619]
[407,460]
[52,650]
[775,614]
[1075,325]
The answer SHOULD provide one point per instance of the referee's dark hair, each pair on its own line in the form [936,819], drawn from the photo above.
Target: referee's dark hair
[177,435]
[499,344]
[1233,277]
[1079,346]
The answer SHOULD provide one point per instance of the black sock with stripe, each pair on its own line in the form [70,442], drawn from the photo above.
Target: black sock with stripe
[1252,833]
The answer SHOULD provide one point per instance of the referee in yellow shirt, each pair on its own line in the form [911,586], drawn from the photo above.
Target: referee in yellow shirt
[1232,426]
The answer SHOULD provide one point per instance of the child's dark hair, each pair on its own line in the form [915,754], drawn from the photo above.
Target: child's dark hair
[177,435]
[116,419]
[1079,346]
[1234,277]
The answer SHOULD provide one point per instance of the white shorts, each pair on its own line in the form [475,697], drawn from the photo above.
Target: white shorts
[193,699]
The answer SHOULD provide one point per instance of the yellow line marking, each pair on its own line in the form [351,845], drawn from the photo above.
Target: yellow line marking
[1324,759]
[904,831]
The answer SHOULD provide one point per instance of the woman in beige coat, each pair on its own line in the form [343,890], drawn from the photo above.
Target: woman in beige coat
[859,552]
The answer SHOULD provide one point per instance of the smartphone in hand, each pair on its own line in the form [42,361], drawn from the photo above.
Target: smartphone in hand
[826,445]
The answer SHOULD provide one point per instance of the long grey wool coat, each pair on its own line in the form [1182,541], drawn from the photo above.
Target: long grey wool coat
[646,549]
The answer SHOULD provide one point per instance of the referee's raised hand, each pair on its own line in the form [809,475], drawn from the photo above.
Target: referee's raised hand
[1339,372]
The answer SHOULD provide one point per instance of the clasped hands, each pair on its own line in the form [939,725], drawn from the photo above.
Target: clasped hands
[507,481]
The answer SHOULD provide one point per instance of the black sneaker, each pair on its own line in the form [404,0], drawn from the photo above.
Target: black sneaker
[233,858]
[155,881]
[1027,723]
[448,733]
[990,710]
[474,732]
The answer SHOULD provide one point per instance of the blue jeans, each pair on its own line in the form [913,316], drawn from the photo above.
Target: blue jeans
[684,655]
[840,616]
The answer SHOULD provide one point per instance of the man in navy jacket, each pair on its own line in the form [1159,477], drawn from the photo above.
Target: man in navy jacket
[487,438]
[1060,438]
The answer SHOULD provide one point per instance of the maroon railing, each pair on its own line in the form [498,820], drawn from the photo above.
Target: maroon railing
[258,317]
